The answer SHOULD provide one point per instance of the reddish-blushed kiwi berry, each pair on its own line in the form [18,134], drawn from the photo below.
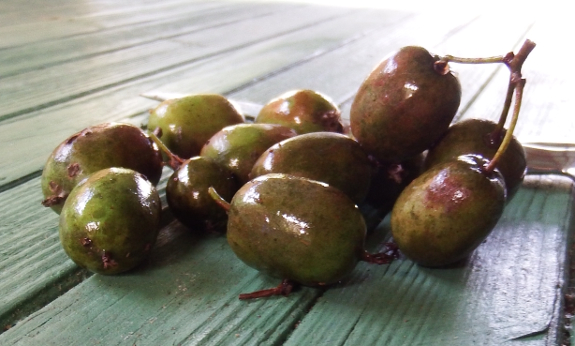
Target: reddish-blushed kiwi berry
[304,111]
[328,157]
[476,136]
[95,148]
[238,147]
[404,105]
[446,212]
[187,123]
[188,198]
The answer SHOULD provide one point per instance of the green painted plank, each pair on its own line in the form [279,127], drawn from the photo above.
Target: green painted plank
[29,139]
[27,91]
[92,17]
[509,289]
[186,20]
[34,269]
[186,294]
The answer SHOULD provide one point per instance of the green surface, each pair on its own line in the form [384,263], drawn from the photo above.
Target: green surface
[75,64]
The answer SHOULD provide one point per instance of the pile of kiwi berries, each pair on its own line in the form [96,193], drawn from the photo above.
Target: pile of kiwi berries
[290,188]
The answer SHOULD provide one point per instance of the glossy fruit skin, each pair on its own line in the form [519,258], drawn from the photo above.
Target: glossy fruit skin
[188,122]
[95,148]
[328,157]
[445,213]
[110,221]
[304,111]
[404,105]
[297,229]
[188,198]
[238,147]
[472,136]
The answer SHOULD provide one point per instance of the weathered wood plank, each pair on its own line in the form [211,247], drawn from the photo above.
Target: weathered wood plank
[18,30]
[49,127]
[27,91]
[508,292]
[188,19]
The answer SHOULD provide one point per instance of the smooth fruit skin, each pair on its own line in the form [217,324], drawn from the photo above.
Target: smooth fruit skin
[404,105]
[297,229]
[329,157]
[304,111]
[238,147]
[188,122]
[95,148]
[472,136]
[188,198]
[445,213]
[110,221]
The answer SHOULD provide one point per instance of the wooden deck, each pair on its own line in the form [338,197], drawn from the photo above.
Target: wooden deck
[71,64]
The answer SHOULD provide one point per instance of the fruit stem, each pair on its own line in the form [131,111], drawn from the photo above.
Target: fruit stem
[283,289]
[519,86]
[218,199]
[514,65]
[174,160]
[495,136]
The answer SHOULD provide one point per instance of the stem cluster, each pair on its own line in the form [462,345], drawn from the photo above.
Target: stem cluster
[514,63]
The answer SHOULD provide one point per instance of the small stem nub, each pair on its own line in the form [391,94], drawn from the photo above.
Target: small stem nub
[283,289]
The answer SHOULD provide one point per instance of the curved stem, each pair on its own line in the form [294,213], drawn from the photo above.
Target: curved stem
[488,60]
[520,84]
[174,160]
[218,199]
[283,289]
[506,106]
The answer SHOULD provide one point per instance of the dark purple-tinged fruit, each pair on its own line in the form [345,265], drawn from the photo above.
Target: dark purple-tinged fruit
[445,213]
[95,148]
[475,136]
[328,157]
[297,229]
[110,221]
[188,198]
[187,123]
[238,147]
[404,105]
[304,111]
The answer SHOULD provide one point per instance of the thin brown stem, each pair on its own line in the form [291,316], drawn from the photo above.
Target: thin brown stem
[174,160]
[283,289]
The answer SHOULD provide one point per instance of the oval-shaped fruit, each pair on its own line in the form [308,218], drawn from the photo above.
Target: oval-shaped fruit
[238,147]
[328,157]
[304,111]
[445,213]
[110,221]
[95,148]
[296,228]
[474,136]
[188,198]
[187,123]
[404,105]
